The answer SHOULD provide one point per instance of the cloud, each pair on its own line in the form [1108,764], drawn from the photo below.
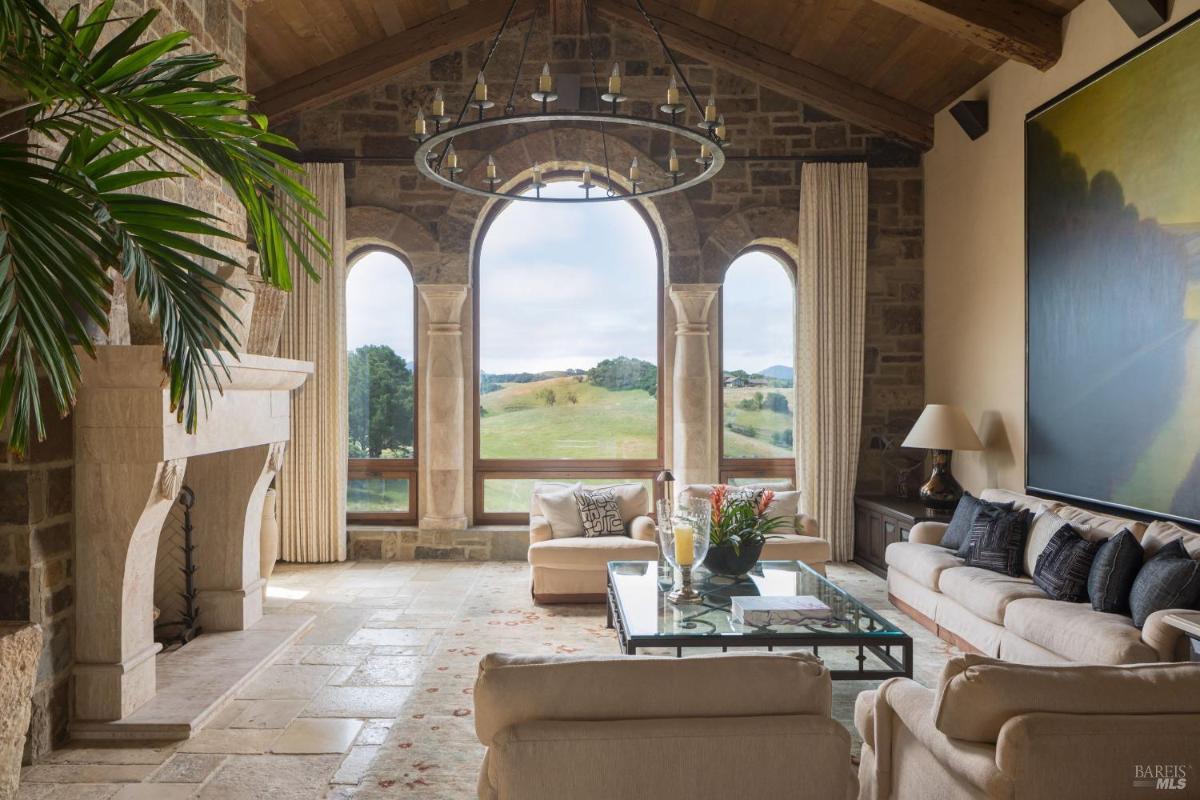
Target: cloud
[758,301]
[379,304]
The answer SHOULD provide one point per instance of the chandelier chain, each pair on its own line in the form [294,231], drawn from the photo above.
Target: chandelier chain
[670,57]
[512,90]
[587,23]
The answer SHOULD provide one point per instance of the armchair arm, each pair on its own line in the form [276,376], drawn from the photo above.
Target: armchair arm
[643,528]
[539,529]
[807,526]
[928,532]
[1171,643]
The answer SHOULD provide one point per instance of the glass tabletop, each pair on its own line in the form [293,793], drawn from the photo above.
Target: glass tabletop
[640,589]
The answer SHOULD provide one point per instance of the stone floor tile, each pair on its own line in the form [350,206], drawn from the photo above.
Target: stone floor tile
[375,731]
[33,791]
[93,754]
[223,718]
[340,675]
[91,773]
[189,768]
[242,741]
[308,736]
[157,791]
[356,701]
[269,714]
[288,777]
[392,637]
[336,655]
[355,766]
[287,682]
[82,791]
[386,671]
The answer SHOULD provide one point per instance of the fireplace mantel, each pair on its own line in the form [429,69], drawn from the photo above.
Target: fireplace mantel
[132,456]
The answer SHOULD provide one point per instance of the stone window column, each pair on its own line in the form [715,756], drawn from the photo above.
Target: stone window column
[694,458]
[443,411]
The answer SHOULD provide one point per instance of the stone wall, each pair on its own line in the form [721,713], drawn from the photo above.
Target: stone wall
[36,497]
[750,201]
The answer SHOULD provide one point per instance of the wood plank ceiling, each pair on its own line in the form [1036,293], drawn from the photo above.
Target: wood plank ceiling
[922,53]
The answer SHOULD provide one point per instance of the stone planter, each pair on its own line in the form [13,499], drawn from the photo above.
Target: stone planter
[20,649]
[266,321]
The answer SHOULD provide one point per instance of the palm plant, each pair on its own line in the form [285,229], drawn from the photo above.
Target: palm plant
[105,111]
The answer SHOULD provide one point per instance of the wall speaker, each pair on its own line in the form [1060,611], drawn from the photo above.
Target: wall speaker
[972,117]
[1142,16]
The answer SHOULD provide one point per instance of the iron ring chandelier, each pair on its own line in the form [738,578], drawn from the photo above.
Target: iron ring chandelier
[437,159]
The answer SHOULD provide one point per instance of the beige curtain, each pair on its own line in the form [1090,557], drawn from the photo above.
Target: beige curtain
[312,485]
[831,287]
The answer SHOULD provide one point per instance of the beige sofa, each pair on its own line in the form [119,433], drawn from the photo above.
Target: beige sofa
[998,730]
[804,545]
[1011,618]
[575,569]
[729,726]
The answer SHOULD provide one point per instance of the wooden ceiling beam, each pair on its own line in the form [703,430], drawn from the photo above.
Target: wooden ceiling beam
[781,71]
[380,60]
[1009,28]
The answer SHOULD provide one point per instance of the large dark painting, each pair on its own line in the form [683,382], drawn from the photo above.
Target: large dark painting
[1113,183]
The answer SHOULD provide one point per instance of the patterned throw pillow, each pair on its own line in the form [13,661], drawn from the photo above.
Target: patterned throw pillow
[1169,579]
[997,542]
[1113,572]
[601,512]
[1063,566]
[958,532]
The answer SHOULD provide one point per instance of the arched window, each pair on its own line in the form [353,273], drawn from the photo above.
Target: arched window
[380,340]
[567,350]
[758,397]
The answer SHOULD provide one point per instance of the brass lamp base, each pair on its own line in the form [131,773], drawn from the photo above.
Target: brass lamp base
[941,492]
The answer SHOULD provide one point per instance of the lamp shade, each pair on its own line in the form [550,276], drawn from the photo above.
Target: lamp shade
[943,427]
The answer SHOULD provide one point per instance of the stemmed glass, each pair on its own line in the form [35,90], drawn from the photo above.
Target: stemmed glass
[683,537]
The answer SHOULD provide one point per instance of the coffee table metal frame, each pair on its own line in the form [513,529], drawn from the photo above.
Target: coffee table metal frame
[868,641]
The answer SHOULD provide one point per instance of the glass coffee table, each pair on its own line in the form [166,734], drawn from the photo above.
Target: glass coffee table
[643,617]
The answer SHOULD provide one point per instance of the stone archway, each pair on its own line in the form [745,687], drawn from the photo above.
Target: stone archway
[763,226]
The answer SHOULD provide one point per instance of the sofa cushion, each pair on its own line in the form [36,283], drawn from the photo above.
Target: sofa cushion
[985,593]
[514,689]
[556,503]
[1169,579]
[1113,572]
[923,563]
[794,547]
[961,524]
[998,541]
[1062,568]
[977,695]
[1075,631]
[1099,526]
[1035,504]
[1162,532]
[581,552]
[1043,527]
[600,512]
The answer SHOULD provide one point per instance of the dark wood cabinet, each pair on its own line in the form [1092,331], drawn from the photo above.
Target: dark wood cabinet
[880,521]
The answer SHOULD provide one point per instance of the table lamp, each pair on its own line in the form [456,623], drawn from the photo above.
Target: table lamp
[942,429]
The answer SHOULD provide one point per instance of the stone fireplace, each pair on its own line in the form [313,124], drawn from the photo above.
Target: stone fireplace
[132,457]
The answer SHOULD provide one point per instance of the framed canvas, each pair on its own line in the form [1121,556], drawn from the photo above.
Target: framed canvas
[1113,284]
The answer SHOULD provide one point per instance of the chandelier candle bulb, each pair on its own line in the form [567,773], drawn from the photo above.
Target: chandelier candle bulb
[438,107]
[672,92]
[673,161]
[710,109]
[635,174]
[614,80]
[491,168]
[480,88]
[545,82]
[587,178]
[721,128]
[451,158]
[419,123]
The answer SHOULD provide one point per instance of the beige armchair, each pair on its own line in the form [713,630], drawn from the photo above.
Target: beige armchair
[800,541]
[574,569]
[999,730]
[736,726]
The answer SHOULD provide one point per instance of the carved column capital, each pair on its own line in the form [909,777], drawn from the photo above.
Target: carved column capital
[170,480]
[443,303]
[692,302]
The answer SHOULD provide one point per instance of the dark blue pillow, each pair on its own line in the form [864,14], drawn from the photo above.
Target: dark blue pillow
[1170,579]
[1064,565]
[1113,572]
[958,533]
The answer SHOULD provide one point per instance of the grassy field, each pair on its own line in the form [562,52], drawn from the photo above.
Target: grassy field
[367,495]
[517,422]
[764,422]
[511,495]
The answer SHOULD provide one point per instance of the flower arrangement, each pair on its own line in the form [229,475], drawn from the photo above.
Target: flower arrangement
[739,517]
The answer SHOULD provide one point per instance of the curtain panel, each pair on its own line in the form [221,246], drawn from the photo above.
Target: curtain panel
[312,485]
[831,307]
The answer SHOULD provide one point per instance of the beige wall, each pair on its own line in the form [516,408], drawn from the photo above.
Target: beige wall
[975,245]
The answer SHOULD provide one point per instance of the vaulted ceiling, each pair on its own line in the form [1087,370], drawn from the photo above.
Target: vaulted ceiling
[888,64]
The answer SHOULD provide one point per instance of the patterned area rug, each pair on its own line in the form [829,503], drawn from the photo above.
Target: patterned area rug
[432,751]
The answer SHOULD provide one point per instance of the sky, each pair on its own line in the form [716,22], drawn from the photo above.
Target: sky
[565,286]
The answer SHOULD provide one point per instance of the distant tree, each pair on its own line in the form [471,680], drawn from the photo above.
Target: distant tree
[381,402]
[776,402]
[782,438]
[623,373]
[547,396]
[572,398]
[754,403]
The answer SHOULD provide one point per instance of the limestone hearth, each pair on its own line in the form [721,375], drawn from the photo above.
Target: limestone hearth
[132,458]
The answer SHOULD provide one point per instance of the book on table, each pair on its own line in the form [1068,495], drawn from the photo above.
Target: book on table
[778,610]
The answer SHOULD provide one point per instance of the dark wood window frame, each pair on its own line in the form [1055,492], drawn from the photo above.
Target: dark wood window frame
[734,468]
[551,469]
[392,468]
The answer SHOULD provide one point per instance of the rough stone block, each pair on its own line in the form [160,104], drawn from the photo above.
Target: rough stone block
[20,648]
